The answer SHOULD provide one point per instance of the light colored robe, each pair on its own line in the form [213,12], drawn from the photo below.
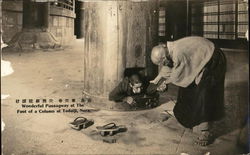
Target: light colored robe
[190,55]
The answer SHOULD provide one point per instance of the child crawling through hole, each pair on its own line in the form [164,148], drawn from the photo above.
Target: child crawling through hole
[136,90]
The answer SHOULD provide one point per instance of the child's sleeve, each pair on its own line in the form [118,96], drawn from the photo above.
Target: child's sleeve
[119,92]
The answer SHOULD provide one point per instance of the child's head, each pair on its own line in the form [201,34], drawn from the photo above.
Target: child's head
[135,82]
[134,79]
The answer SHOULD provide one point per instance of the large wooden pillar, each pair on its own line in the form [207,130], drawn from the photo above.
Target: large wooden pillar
[176,19]
[118,35]
[79,21]
[35,14]
[1,27]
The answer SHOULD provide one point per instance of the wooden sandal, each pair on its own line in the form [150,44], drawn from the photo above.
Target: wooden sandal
[110,129]
[81,123]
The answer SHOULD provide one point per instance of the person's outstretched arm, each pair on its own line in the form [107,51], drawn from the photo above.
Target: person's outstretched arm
[119,92]
[165,73]
[160,86]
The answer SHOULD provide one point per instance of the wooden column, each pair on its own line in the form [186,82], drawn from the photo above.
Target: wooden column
[35,14]
[46,11]
[118,34]
[79,21]
[1,27]
[176,15]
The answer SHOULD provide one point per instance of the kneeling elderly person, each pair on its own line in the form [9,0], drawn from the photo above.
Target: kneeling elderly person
[198,68]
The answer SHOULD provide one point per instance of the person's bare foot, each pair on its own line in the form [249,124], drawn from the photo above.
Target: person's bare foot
[205,138]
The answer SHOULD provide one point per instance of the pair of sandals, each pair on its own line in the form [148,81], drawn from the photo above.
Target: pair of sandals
[108,129]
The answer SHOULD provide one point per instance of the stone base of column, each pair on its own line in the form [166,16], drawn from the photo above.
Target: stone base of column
[31,39]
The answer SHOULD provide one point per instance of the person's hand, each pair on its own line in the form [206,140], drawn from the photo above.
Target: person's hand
[164,73]
[129,100]
[162,87]
[156,80]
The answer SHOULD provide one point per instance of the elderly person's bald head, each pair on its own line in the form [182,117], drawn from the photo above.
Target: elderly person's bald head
[158,54]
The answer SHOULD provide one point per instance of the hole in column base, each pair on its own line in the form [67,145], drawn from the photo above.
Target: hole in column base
[105,104]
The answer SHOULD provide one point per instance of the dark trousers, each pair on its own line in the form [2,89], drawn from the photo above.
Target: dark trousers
[203,102]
